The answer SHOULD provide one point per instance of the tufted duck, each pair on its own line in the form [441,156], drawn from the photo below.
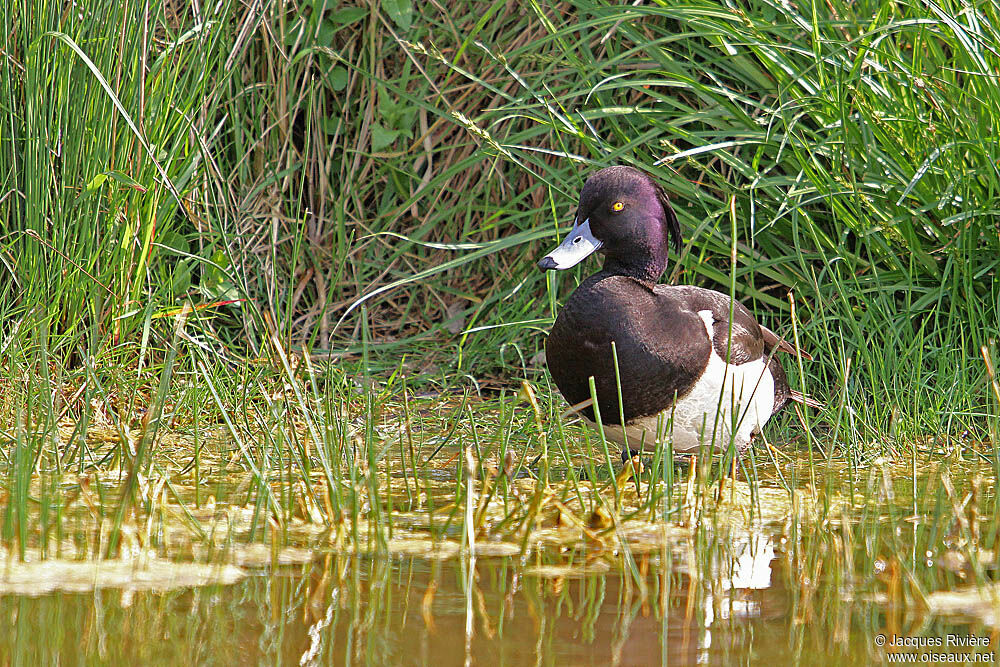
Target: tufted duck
[696,369]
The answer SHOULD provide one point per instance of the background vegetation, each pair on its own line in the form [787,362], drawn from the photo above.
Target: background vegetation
[277,163]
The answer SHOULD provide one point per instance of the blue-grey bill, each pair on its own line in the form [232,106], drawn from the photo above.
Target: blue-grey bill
[576,247]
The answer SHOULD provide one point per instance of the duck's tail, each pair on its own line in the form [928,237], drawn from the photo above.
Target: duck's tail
[773,340]
[799,397]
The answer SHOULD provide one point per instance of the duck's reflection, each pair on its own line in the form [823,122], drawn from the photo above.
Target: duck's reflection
[747,568]
[667,609]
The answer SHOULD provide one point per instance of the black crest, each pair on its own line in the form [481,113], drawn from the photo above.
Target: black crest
[673,227]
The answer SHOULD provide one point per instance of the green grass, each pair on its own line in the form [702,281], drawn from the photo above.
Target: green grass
[422,163]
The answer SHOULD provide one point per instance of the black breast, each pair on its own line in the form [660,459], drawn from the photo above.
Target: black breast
[662,347]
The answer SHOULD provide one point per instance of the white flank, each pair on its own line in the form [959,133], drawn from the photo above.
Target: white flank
[726,405]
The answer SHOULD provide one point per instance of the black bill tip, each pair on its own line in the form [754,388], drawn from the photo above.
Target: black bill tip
[547,264]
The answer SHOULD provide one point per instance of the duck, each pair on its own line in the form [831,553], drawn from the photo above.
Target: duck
[696,369]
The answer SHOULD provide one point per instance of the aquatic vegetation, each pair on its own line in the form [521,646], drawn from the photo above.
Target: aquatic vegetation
[490,505]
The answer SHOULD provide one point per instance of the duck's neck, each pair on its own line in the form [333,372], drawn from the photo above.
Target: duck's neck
[647,268]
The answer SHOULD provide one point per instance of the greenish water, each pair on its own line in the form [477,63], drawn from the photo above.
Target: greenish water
[571,563]
[344,610]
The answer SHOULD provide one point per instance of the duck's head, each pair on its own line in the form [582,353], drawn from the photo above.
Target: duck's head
[627,216]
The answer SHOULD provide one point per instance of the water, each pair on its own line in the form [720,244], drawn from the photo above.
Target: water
[348,610]
[814,562]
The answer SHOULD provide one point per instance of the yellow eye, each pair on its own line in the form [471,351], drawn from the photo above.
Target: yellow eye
[617,206]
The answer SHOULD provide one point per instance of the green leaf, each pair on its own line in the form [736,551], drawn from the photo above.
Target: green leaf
[125,180]
[212,277]
[325,33]
[349,15]
[330,124]
[337,78]
[180,281]
[382,137]
[174,241]
[221,258]
[400,11]
[96,182]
